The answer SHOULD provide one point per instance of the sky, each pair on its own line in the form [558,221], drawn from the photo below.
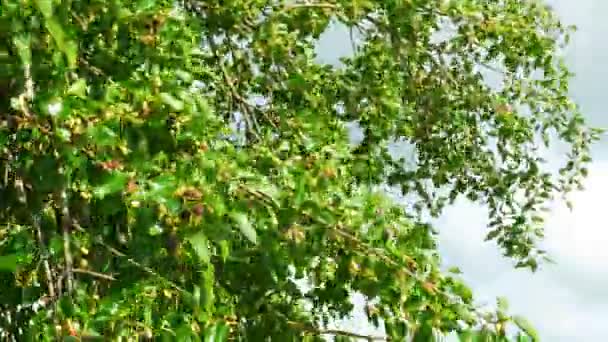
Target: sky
[568,300]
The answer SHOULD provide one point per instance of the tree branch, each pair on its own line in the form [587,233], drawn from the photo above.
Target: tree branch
[318,5]
[66,225]
[45,256]
[335,332]
[94,274]
[118,253]
[242,102]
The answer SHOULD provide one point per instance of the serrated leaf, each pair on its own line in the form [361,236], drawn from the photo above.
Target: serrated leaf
[200,245]
[171,101]
[103,136]
[78,88]
[245,226]
[161,186]
[271,192]
[113,183]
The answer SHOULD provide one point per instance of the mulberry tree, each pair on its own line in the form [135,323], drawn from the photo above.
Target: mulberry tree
[183,171]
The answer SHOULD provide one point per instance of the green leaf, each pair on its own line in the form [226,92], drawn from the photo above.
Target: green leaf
[144,5]
[102,135]
[216,332]
[523,338]
[22,43]
[466,336]
[78,88]
[113,183]
[270,193]
[155,230]
[503,304]
[525,326]
[200,245]
[63,134]
[69,48]
[190,300]
[184,334]
[9,263]
[221,332]
[300,196]
[183,75]
[454,270]
[171,101]
[207,286]
[45,7]
[424,334]
[245,226]
[161,187]
[224,250]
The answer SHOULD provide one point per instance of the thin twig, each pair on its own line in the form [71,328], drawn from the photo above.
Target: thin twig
[93,69]
[318,5]
[493,68]
[243,104]
[335,332]
[29,82]
[118,253]
[28,92]
[352,40]
[45,260]
[94,274]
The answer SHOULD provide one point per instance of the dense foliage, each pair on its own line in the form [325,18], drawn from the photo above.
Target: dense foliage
[180,169]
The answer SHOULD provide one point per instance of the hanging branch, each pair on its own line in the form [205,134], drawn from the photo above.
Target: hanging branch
[138,265]
[94,274]
[335,332]
[66,226]
[242,102]
[45,256]
[120,254]
[310,5]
